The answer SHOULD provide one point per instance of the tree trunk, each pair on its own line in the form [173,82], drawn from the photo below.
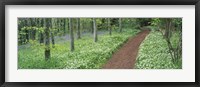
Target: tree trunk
[109,27]
[52,31]
[47,41]
[92,29]
[95,30]
[33,23]
[71,35]
[41,38]
[52,40]
[120,24]
[19,30]
[64,26]
[172,50]
[78,30]
[41,24]
[27,31]
[68,26]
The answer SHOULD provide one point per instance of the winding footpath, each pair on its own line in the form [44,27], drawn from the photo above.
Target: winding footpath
[125,57]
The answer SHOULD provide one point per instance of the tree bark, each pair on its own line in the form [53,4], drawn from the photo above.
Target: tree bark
[95,30]
[109,27]
[41,33]
[78,30]
[41,38]
[64,26]
[52,31]
[19,30]
[71,35]
[47,41]
[52,40]
[92,29]
[33,23]
[120,24]
[27,31]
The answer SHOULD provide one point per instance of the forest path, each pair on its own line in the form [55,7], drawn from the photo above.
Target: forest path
[125,57]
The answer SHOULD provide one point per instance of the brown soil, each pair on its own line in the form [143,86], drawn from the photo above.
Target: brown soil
[125,57]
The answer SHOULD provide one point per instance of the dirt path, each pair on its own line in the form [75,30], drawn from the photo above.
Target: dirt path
[125,57]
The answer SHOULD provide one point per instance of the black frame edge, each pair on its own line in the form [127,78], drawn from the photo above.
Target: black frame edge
[2,44]
[102,2]
[99,84]
[197,27]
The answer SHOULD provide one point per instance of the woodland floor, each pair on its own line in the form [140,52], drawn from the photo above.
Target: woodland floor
[125,57]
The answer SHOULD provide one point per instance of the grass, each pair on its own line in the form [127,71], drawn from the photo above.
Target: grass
[153,53]
[87,53]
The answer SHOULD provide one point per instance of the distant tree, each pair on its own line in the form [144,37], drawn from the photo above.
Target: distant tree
[109,27]
[59,24]
[64,26]
[41,24]
[53,27]
[47,22]
[21,31]
[78,30]
[26,30]
[32,30]
[95,30]
[120,24]
[92,25]
[71,35]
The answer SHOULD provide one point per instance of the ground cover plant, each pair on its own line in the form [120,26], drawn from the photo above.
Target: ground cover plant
[153,53]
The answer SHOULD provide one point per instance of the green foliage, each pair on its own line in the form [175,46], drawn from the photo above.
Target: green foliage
[129,22]
[155,22]
[144,21]
[161,22]
[154,53]
[87,55]
[167,26]
[177,23]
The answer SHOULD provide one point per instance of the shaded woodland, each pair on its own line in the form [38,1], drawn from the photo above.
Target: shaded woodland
[89,43]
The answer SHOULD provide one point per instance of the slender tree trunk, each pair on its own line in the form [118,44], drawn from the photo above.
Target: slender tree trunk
[41,38]
[27,36]
[19,30]
[47,41]
[120,24]
[33,23]
[172,50]
[71,35]
[95,30]
[58,28]
[52,31]
[34,34]
[78,30]
[27,31]
[52,40]
[92,29]
[64,26]
[41,33]
[23,36]
[109,27]
[68,26]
